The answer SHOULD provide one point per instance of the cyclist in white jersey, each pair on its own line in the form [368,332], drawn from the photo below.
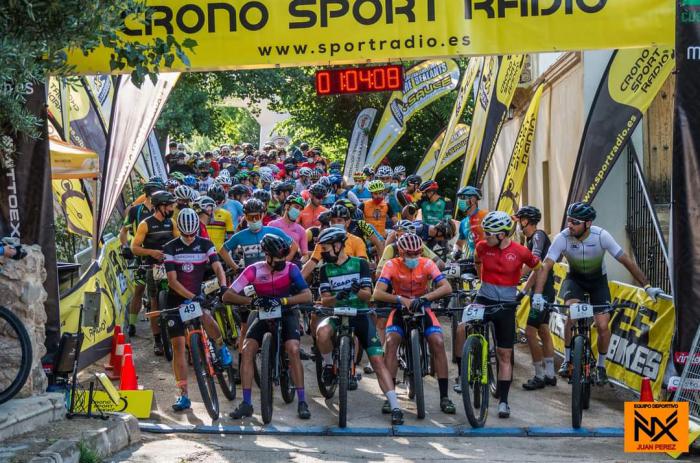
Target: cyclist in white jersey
[584,247]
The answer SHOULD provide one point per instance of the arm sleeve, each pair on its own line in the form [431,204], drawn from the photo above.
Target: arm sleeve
[231,243]
[608,243]
[169,261]
[435,273]
[244,279]
[211,253]
[557,248]
[538,243]
[530,259]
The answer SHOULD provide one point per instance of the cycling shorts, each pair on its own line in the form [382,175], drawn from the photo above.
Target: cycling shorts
[537,318]
[140,277]
[365,331]
[290,327]
[243,313]
[176,327]
[577,288]
[503,323]
[395,323]
[152,286]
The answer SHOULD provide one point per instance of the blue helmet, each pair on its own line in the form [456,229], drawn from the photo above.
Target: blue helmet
[190,181]
[469,191]
[336,180]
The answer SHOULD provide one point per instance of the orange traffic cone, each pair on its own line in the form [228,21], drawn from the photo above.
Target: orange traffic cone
[117,331]
[117,358]
[646,395]
[128,382]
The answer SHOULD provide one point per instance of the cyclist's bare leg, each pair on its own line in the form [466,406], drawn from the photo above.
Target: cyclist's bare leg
[180,363]
[384,378]
[460,337]
[324,339]
[533,342]
[381,328]
[241,337]
[505,371]
[212,328]
[155,327]
[569,324]
[135,305]
[547,344]
[250,348]
[313,322]
[391,347]
[292,348]
[602,322]
[436,342]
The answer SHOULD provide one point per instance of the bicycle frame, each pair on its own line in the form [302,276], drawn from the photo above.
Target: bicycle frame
[479,333]
[195,327]
[413,322]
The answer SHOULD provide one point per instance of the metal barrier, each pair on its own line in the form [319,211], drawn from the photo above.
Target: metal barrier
[689,387]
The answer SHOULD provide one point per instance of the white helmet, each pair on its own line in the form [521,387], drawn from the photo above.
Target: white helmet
[384,171]
[408,242]
[194,194]
[183,192]
[224,173]
[399,170]
[223,180]
[497,221]
[304,172]
[188,221]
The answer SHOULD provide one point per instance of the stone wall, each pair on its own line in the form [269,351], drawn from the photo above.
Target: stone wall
[22,291]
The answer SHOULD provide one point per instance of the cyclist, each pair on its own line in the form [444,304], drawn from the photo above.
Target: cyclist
[470,230]
[584,246]
[204,207]
[410,277]
[360,190]
[391,249]
[400,174]
[338,191]
[499,262]
[220,226]
[351,286]
[411,189]
[358,226]
[303,182]
[309,215]
[237,196]
[376,210]
[186,260]
[538,322]
[280,193]
[276,282]
[151,234]
[433,207]
[293,207]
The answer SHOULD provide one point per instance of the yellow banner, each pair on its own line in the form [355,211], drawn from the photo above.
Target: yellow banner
[517,168]
[267,33]
[640,344]
[455,150]
[72,162]
[465,89]
[70,196]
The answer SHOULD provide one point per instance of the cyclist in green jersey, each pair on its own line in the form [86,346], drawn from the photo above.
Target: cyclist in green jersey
[433,207]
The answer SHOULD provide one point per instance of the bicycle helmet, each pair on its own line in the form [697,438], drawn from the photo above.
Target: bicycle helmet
[262,195]
[428,185]
[190,181]
[254,206]
[368,171]
[405,226]
[151,187]
[530,213]
[340,211]
[497,221]
[194,194]
[332,235]
[204,204]
[581,211]
[399,170]
[304,146]
[179,176]
[325,218]
[469,191]
[318,190]
[304,172]
[253,173]
[295,200]
[414,180]
[315,175]
[325,181]
[335,165]
[376,186]
[170,184]
[266,178]
[278,187]
[225,173]
[347,203]
[239,190]
[384,172]
[155,179]
[160,198]
[223,180]
[359,176]
[335,180]
[410,242]
[188,221]
[183,192]
[273,245]
[217,193]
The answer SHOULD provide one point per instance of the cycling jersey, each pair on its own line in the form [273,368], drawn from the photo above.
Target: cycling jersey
[249,243]
[434,212]
[361,194]
[204,184]
[309,216]
[136,214]
[354,247]
[294,231]
[585,258]
[392,251]
[153,234]
[471,225]
[392,201]
[335,278]
[268,283]
[410,283]
[235,208]
[190,264]
[220,225]
[501,269]
[539,245]
[377,214]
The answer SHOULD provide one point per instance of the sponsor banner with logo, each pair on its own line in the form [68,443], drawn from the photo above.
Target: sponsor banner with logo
[269,33]
[109,276]
[657,427]
[517,168]
[70,196]
[101,89]
[455,150]
[156,159]
[627,88]
[134,113]
[72,162]
[510,67]
[424,84]
[481,109]
[359,141]
[465,89]
[641,338]
[685,226]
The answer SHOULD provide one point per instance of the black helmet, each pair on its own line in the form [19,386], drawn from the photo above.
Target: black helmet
[318,190]
[325,218]
[273,245]
[332,235]
[428,185]
[446,228]
[239,190]
[160,198]
[217,193]
[254,206]
[530,213]
[581,211]
[340,211]
[151,187]
[303,146]
[262,195]
[155,179]
[414,180]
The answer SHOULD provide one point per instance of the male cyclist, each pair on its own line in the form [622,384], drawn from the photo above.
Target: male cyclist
[584,246]
[186,260]
[376,210]
[346,281]
[470,231]
[220,226]
[410,277]
[293,206]
[499,262]
[276,282]
[309,215]
[360,190]
[433,207]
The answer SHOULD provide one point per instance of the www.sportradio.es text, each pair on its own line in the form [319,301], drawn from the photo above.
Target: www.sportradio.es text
[333,48]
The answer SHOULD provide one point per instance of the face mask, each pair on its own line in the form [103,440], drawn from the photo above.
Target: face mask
[328,257]
[377,200]
[255,226]
[340,226]
[462,204]
[294,214]
[395,185]
[411,262]
[278,266]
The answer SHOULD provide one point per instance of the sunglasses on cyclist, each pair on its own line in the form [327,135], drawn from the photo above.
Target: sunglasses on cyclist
[492,233]
[253,217]
[574,221]
[319,197]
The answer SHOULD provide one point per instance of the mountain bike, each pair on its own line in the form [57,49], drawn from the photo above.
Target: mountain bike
[583,362]
[15,354]
[462,276]
[414,357]
[160,276]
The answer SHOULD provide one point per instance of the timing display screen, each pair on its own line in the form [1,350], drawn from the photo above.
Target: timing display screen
[359,80]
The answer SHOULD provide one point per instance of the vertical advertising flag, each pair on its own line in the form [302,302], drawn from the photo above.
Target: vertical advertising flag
[156,157]
[481,108]
[628,86]
[509,69]
[465,89]
[455,150]
[685,219]
[517,167]
[359,140]
[424,84]
[76,210]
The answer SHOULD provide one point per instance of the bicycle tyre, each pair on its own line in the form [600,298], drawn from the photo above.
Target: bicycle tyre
[417,376]
[205,381]
[344,372]
[266,373]
[326,392]
[163,323]
[286,382]
[456,317]
[16,330]
[586,403]
[493,361]
[475,395]
[577,383]
[226,377]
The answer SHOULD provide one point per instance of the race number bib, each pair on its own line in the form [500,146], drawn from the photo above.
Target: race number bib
[577,311]
[271,314]
[452,270]
[159,272]
[345,311]
[210,286]
[473,312]
[190,311]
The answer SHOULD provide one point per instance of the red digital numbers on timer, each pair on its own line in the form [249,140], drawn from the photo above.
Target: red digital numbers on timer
[359,80]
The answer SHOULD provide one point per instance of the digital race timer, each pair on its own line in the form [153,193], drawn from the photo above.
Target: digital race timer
[359,80]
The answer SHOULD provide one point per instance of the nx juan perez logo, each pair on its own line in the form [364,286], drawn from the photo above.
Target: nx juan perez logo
[656,427]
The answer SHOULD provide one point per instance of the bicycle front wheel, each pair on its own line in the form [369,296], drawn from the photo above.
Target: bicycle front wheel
[163,323]
[577,379]
[205,380]
[417,374]
[475,389]
[493,361]
[15,354]
[266,374]
[343,379]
